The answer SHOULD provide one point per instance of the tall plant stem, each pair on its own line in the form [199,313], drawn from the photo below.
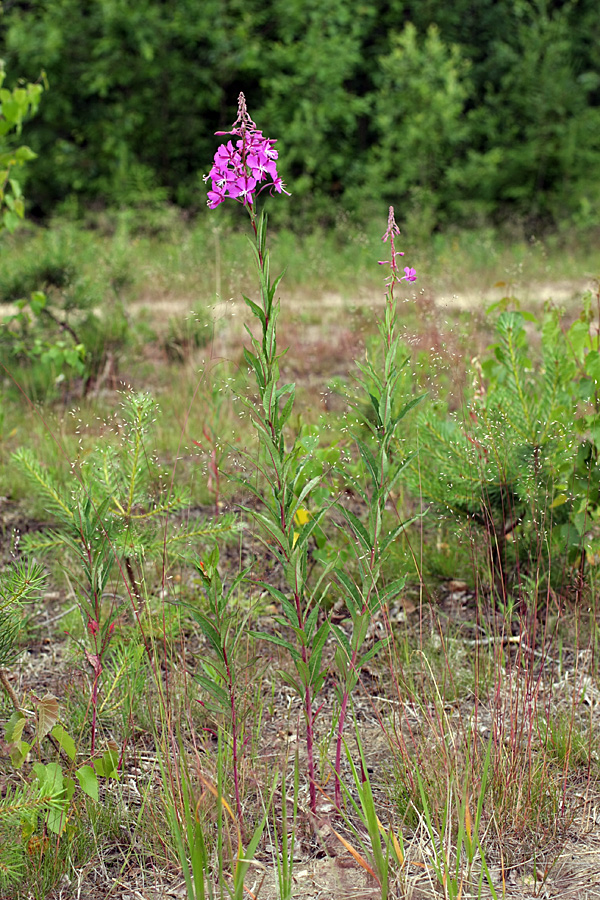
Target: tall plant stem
[272,422]
[234,737]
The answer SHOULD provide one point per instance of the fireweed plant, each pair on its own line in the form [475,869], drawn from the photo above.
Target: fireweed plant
[242,172]
[378,475]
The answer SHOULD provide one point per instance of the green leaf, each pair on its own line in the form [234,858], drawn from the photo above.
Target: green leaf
[11,220]
[218,693]
[358,528]
[14,727]
[24,154]
[344,643]
[407,408]
[208,629]
[272,529]
[396,532]
[50,778]
[393,589]
[69,789]
[592,365]
[289,679]
[56,819]
[275,639]
[377,646]
[256,310]
[110,758]
[287,410]
[368,459]
[64,740]
[559,500]
[89,781]
[353,599]
[317,649]
[18,753]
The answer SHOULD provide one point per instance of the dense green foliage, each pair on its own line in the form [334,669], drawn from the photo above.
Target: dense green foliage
[15,105]
[459,111]
[519,461]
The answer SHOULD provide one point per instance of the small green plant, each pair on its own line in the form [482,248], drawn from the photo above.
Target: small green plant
[364,595]
[51,790]
[117,516]
[499,465]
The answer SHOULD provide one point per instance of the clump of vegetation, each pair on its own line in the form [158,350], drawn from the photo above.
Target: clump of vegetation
[234,693]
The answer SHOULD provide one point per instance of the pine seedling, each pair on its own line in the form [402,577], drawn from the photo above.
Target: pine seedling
[504,466]
[18,584]
[112,521]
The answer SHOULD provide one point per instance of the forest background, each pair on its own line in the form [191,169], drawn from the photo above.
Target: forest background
[472,112]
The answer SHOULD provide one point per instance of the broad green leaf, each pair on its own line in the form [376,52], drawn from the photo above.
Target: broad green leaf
[56,819]
[111,760]
[14,727]
[24,154]
[18,753]
[11,220]
[559,500]
[89,781]
[64,740]
[592,365]
[69,789]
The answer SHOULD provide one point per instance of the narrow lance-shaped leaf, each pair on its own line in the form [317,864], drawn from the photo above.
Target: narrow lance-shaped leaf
[255,308]
[358,528]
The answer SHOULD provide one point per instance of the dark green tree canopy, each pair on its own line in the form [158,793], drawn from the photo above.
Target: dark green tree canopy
[462,110]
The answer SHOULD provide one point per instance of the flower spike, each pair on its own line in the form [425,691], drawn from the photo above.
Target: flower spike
[242,171]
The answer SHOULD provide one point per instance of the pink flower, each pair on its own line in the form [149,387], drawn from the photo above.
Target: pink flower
[244,187]
[279,186]
[391,231]
[238,170]
[215,198]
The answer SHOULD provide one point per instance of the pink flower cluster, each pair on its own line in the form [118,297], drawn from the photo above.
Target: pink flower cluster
[391,232]
[242,171]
